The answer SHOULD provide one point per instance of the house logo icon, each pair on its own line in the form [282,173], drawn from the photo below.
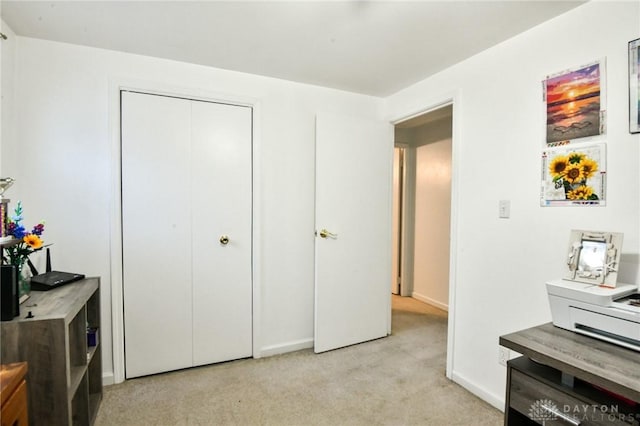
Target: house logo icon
[543,410]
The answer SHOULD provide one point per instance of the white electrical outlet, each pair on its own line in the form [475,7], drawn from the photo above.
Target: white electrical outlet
[503,356]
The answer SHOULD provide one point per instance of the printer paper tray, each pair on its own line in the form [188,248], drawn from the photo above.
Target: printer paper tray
[615,330]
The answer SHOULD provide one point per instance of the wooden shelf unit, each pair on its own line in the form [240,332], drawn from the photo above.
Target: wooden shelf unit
[65,375]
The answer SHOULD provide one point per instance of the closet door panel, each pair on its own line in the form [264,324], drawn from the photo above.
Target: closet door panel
[156,235]
[221,207]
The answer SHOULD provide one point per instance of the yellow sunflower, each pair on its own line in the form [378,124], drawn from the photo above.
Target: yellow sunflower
[573,173]
[589,167]
[33,241]
[558,165]
[582,192]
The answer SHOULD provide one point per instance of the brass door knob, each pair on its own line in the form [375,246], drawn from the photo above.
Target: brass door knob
[224,240]
[326,234]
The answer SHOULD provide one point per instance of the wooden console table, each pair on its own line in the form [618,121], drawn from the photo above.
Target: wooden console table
[571,378]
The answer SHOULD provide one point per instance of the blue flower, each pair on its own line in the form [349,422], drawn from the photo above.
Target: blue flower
[19,232]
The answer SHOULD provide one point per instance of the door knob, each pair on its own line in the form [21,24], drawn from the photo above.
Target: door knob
[224,240]
[326,234]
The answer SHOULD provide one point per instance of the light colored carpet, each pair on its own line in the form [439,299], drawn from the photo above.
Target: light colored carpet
[398,380]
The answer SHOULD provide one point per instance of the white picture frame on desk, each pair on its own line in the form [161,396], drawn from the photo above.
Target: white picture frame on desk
[594,257]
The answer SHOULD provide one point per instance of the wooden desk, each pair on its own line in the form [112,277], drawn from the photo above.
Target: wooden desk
[570,369]
[13,394]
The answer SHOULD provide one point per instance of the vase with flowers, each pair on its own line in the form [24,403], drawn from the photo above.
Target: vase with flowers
[572,172]
[28,242]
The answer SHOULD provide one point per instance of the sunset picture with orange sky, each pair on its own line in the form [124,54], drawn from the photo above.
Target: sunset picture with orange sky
[573,104]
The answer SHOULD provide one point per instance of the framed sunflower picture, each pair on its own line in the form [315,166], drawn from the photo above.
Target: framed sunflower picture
[574,175]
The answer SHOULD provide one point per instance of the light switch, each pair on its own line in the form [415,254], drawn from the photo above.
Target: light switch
[504,209]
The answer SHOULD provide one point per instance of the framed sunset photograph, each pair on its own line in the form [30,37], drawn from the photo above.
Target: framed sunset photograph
[574,101]
[634,86]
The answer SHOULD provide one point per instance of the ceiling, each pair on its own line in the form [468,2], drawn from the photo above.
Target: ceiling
[369,47]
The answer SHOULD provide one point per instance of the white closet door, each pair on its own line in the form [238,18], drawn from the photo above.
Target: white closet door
[156,233]
[221,200]
[186,183]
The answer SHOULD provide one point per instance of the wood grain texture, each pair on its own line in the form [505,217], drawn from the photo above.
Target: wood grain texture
[14,411]
[10,377]
[603,364]
[60,303]
[54,343]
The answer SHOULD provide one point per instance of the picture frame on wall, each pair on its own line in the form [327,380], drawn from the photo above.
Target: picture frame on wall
[574,102]
[634,86]
[574,175]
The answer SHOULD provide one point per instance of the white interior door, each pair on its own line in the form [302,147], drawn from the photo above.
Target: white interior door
[156,233]
[353,203]
[221,200]
[186,182]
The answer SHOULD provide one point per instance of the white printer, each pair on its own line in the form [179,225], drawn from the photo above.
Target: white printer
[589,300]
[611,314]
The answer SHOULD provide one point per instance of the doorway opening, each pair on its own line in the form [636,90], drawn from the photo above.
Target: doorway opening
[422,207]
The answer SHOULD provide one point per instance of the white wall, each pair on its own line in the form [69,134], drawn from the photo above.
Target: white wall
[7,105]
[432,222]
[61,158]
[502,264]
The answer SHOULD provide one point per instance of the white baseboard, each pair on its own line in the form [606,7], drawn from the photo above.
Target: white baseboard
[430,301]
[485,395]
[107,378]
[286,347]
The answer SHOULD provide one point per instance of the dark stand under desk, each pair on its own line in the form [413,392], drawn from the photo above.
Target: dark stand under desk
[567,378]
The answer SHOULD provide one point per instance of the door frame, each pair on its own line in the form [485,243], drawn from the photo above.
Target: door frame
[453,99]
[396,231]
[116,85]
[407,230]
[406,235]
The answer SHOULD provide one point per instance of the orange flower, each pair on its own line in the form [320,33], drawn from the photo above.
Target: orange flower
[32,241]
